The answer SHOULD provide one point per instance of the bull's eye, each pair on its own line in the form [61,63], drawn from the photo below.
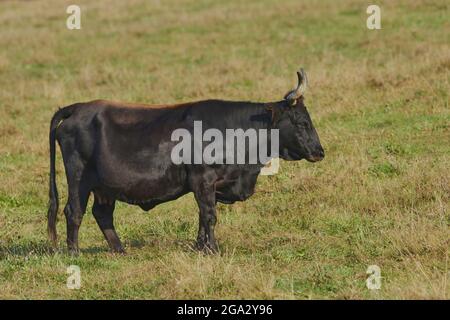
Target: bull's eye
[300,122]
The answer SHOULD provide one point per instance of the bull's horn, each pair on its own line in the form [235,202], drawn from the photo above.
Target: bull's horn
[301,87]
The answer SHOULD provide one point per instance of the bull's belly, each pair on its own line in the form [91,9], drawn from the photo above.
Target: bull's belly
[144,199]
[146,189]
[149,203]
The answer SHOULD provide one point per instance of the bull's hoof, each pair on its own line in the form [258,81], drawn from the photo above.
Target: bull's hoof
[199,245]
[118,251]
[206,247]
[74,252]
[212,249]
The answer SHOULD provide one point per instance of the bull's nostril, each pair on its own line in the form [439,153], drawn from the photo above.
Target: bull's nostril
[321,153]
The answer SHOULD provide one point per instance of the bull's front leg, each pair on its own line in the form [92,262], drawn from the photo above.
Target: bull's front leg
[201,236]
[206,199]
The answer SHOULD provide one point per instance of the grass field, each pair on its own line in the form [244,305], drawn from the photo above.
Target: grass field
[379,100]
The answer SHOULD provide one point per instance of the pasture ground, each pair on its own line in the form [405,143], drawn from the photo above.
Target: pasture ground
[379,100]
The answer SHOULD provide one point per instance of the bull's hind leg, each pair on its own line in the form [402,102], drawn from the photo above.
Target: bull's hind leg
[79,188]
[103,213]
[75,209]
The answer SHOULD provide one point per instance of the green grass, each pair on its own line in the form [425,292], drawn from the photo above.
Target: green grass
[379,100]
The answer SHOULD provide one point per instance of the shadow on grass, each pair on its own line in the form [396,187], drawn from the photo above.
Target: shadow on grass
[26,249]
[44,248]
[163,244]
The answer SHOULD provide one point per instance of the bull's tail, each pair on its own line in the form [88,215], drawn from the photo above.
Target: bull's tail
[59,116]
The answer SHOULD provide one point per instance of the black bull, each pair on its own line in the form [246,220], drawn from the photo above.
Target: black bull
[122,152]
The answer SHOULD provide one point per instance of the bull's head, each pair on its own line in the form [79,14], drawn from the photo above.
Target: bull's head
[298,137]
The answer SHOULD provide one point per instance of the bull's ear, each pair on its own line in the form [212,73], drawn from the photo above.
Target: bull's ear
[275,112]
[292,96]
